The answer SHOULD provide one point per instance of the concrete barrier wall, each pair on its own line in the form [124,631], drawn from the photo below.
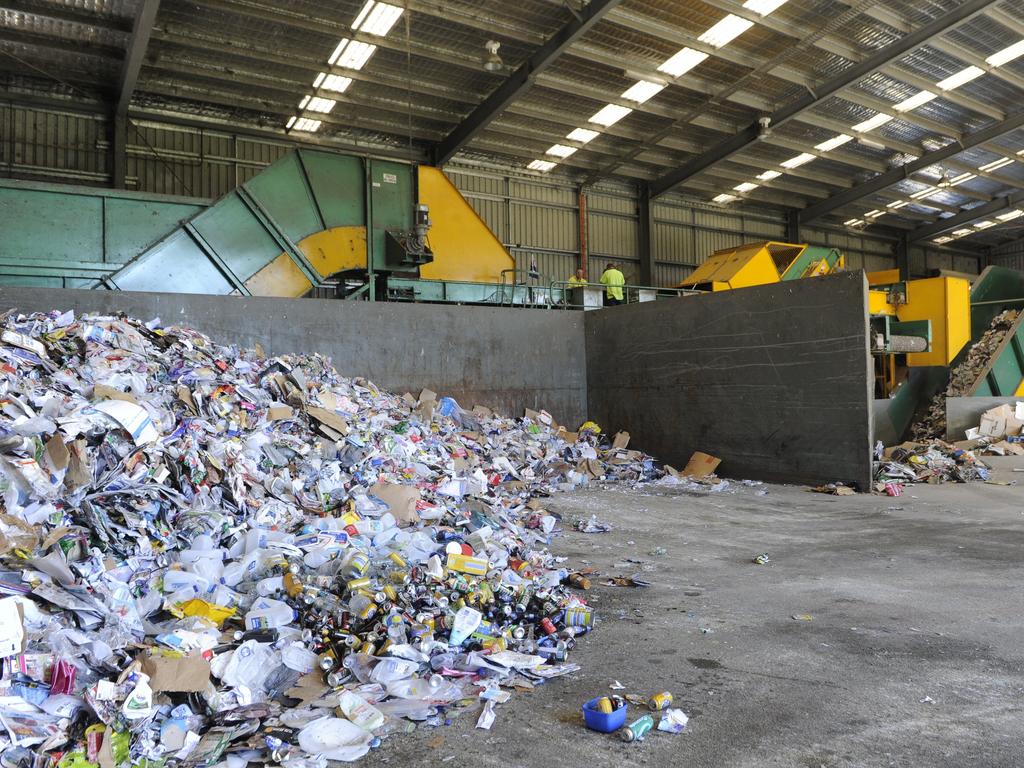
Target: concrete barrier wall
[506,359]
[774,380]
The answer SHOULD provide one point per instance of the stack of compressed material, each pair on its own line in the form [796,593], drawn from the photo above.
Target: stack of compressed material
[963,377]
[215,557]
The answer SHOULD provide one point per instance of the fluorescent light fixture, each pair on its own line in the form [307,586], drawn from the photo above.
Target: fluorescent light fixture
[960,78]
[724,198]
[985,224]
[682,62]
[582,135]
[725,31]
[873,122]
[541,165]
[965,176]
[303,124]
[873,214]
[316,104]
[376,18]
[1006,55]
[560,150]
[943,240]
[769,175]
[896,204]
[335,83]
[962,232]
[915,101]
[351,54]
[833,143]
[610,115]
[853,222]
[642,91]
[796,162]
[925,192]
[763,7]
[995,165]
[746,186]
[1010,216]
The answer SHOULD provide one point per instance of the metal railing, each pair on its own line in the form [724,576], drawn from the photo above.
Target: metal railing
[631,294]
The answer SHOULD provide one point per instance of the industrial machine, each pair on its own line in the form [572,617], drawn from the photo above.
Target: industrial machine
[319,220]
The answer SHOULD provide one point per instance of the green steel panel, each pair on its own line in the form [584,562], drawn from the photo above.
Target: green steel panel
[45,225]
[393,196]
[339,186]
[237,236]
[282,191]
[178,265]
[808,256]
[131,226]
[993,284]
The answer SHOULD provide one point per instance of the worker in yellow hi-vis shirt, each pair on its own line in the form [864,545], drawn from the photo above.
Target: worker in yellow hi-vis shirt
[612,280]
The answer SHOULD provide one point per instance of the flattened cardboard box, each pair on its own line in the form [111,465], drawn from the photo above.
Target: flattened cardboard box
[181,674]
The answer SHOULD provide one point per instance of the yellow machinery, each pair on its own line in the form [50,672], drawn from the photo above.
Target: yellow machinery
[924,322]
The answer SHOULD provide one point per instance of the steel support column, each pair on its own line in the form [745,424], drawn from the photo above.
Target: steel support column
[793,220]
[142,27]
[521,80]
[902,253]
[645,235]
[749,135]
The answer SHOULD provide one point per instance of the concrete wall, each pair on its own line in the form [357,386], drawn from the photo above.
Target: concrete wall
[506,359]
[774,380]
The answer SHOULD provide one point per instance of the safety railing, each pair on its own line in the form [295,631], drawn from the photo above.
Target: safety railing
[562,293]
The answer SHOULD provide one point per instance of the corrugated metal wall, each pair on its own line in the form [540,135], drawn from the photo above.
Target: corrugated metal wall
[1010,255]
[536,218]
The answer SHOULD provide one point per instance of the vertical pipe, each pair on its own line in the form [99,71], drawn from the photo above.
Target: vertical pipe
[371,289]
[119,161]
[581,215]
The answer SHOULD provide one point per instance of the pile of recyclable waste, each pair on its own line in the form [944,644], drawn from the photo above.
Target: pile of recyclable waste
[215,557]
[932,423]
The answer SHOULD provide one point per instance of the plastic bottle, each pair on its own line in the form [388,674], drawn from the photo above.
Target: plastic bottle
[466,622]
[410,688]
[360,711]
[361,665]
[139,703]
[389,670]
[271,585]
[203,558]
[175,581]
[267,613]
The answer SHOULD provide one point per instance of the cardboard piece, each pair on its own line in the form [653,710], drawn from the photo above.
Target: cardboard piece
[103,392]
[279,411]
[621,440]
[184,394]
[176,674]
[569,437]
[701,465]
[134,419]
[80,465]
[1000,421]
[332,421]
[402,500]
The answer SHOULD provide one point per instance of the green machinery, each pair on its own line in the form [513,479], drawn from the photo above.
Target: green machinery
[315,218]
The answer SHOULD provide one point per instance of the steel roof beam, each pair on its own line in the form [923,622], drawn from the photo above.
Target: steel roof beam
[884,180]
[966,217]
[522,79]
[830,87]
[142,28]
[69,13]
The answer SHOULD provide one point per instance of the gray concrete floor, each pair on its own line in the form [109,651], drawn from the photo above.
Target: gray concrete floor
[914,655]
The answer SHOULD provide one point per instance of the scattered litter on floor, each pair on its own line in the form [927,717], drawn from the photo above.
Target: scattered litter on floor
[802,617]
[216,557]
[933,462]
[762,559]
[593,525]
[673,721]
[636,730]
[834,489]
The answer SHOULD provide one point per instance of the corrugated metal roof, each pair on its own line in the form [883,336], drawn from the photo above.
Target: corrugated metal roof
[250,61]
